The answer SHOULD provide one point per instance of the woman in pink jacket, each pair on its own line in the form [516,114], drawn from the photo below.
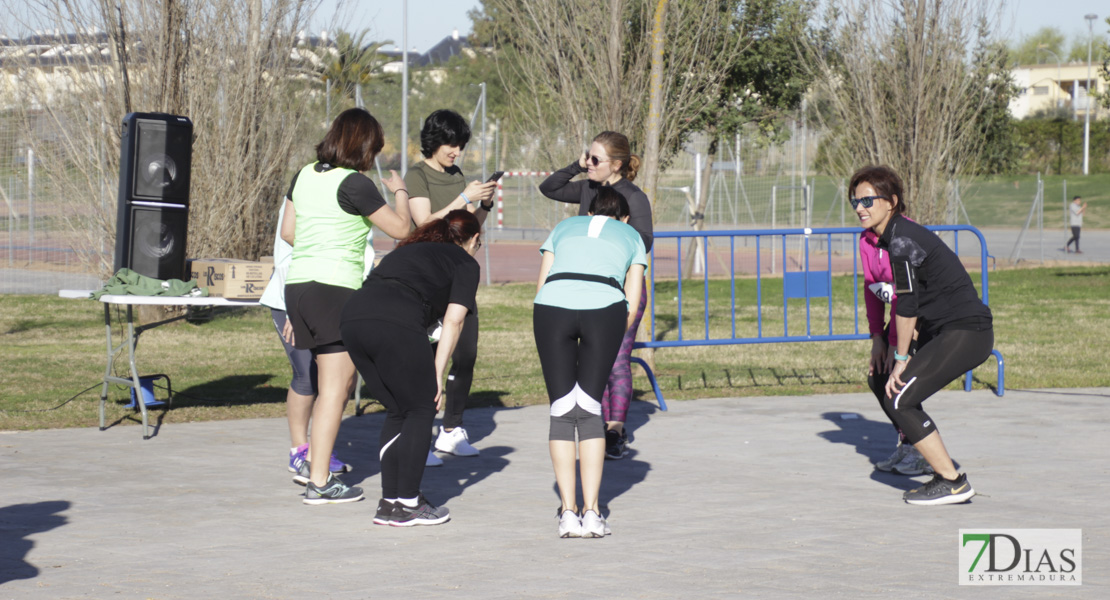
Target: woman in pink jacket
[879,292]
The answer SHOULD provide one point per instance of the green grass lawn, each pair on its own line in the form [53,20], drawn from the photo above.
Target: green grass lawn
[233,367]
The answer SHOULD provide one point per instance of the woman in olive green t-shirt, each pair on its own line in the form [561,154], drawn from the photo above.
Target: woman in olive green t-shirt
[437,186]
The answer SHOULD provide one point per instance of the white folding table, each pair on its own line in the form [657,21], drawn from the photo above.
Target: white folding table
[131,337]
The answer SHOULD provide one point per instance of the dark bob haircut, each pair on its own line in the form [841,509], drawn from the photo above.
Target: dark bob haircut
[885,181]
[443,128]
[353,141]
[609,203]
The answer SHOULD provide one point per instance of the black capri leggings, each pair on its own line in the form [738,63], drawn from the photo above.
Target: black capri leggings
[937,363]
[399,369]
[577,349]
[461,375]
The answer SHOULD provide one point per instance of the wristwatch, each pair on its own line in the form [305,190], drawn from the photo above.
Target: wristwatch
[486,207]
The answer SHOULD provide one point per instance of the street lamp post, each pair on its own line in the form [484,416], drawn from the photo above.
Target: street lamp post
[1087,122]
[1056,91]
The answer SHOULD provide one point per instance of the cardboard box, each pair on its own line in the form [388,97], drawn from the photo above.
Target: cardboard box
[231,278]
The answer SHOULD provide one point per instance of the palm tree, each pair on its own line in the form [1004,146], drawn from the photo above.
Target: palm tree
[350,62]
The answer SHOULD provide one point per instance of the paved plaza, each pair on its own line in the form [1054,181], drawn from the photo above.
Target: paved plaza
[769,497]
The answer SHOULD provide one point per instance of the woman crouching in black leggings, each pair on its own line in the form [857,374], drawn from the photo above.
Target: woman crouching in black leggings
[936,296]
[431,275]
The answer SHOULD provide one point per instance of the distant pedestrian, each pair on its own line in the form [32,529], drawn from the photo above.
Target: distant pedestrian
[1075,215]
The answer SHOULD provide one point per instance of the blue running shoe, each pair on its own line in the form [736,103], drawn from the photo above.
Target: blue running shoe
[296,457]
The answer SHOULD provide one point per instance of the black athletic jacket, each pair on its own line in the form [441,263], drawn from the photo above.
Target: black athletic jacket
[930,281]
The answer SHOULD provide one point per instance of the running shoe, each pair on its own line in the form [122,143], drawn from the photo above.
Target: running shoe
[300,455]
[385,512]
[455,442]
[425,513]
[899,453]
[570,524]
[296,457]
[433,460]
[304,469]
[616,445]
[337,466]
[941,491]
[593,525]
[912,464]
[333,492]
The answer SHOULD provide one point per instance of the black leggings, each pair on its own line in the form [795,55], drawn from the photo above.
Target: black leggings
[1074,238]
[399,369]
[577,348]
[937,363]
[461,375]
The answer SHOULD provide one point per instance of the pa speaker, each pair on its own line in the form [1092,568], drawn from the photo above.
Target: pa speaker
[156,154]
[153,241]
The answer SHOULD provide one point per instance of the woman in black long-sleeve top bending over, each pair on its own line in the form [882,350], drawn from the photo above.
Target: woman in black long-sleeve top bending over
[610,162]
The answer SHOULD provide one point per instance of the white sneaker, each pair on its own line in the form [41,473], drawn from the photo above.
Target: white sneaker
[913,464]
[593,526]
[570,526]
[455,442]
[895,458]
[433,460]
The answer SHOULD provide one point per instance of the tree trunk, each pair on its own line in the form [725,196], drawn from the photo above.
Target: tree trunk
[650,165]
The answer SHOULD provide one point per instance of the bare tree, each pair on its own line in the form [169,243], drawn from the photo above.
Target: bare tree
[579,68]
[905,83]
[223,63]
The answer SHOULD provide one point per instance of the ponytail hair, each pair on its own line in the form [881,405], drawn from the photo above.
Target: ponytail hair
[617,147]
[457,227]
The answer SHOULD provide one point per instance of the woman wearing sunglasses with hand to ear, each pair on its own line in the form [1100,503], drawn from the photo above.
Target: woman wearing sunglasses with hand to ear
[609,162]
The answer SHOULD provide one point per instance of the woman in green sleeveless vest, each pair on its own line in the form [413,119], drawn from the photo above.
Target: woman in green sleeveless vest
[330,208]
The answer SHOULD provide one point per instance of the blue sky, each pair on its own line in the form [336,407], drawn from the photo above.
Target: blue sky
[432,20]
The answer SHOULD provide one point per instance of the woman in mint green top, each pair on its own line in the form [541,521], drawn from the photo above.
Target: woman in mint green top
[330,207]
[591,274]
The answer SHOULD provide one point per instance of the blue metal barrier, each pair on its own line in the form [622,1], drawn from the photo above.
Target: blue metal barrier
[805,283]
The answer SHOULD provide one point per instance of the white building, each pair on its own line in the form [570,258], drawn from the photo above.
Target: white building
[1042,87]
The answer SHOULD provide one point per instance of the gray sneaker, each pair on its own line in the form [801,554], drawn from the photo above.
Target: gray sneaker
[895,458]
[301,475]
[940,491]
[333,492]
[425,513]
[912,464]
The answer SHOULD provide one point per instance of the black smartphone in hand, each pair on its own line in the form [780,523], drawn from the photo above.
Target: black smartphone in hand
[497,175]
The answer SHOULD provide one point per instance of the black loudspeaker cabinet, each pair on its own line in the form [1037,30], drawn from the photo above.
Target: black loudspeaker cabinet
[156,153]
[156,241]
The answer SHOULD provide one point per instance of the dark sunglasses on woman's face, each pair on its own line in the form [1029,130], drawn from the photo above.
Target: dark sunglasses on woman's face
[590,158]
[866,201]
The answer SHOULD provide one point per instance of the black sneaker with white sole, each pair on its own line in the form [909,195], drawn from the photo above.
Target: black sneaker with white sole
[616,445]
[385,512]
[939,490]
[333,492]
[424,513]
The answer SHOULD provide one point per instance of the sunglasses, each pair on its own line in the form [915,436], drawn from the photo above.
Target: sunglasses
[590,158]
[866,201]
